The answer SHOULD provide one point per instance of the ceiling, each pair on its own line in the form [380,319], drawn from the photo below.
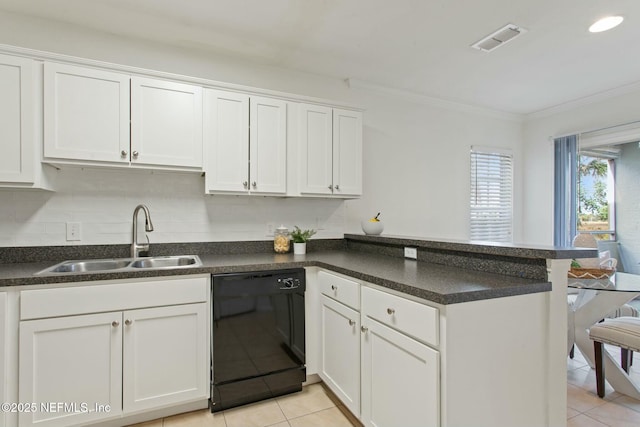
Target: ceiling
[421,46]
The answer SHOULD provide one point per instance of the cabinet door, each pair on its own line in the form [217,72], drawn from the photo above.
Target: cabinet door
[316,150]
[166,123]
[400,379]
[165,356]
[226,135]
[3,357]
[347,152]
[268,145]
[17,122]
[340,352]
[86,114]
[73,364]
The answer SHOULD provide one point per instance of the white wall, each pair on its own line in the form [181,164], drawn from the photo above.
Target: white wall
[416,160]
[416,166]
[615,108]
[103,201]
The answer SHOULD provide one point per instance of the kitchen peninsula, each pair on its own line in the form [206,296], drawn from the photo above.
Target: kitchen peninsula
[495,307]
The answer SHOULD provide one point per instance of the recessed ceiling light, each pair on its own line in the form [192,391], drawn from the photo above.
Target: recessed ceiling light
[605,24]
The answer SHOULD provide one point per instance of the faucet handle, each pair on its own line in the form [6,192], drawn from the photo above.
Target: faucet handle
[146,245]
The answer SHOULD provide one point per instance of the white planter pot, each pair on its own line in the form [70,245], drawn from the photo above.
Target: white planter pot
[299,248]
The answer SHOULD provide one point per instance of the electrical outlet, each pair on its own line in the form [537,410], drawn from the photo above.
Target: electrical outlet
[74,231]
[411,253]
[271,229]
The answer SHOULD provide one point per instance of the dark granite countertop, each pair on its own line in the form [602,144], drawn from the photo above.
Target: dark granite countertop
[434,282]
[479,247]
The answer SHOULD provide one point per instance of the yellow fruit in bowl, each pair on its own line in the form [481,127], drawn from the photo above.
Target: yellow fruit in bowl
[372,226]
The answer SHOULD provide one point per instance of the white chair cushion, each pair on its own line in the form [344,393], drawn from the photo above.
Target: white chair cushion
[623,332]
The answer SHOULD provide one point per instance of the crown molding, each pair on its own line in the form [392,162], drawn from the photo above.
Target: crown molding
[585,101]
[207,83]
[432,101]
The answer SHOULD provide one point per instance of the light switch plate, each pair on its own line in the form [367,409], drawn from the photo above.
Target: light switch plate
[411,253]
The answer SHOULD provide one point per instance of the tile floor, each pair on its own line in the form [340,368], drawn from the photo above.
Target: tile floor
[315,406]
[586,409]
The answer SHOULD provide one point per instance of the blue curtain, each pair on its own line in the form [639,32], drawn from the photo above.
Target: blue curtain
[565,190]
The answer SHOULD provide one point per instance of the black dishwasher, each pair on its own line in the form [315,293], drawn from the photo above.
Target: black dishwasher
[257,336]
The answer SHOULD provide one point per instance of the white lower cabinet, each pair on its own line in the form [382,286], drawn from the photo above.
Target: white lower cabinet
[376,360]
[426,364]
[400,379]
[79,369]
[164,356]
[340,347]
[73,361]
[3,357]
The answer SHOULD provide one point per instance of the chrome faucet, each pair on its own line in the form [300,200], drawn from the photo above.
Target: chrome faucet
[136,247]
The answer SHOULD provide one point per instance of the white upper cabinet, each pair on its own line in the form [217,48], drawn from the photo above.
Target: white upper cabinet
[166,123]
[246,143]
[89,115]
[268,145]
[86,114]
[347,152]
[316,149]
[226,140]
[330,151]
[17,109]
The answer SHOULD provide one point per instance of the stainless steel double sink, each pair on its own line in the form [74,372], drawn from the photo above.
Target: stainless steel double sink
[116,265]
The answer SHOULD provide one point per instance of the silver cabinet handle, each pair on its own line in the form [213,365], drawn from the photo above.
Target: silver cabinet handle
[334,288]
[330,187]
[390,311]
[254,184]
[337,187]
[128,322]
[124,153]
[364,329]
[135,154]
[352,322]
[115,323]
[245,184]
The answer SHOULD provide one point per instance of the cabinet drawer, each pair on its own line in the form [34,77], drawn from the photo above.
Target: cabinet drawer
[414,319]
[96,298]
[340,289]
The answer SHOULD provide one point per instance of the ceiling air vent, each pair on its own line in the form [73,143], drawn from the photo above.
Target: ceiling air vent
[499,38]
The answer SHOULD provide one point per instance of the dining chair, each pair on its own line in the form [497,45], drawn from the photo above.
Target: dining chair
[623,332]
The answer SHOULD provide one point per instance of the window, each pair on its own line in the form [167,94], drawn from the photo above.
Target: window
[596,191]
[491,195]
[593,169]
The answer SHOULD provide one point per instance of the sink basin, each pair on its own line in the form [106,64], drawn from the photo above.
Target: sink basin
[116,265]
[165,262]
[90,265]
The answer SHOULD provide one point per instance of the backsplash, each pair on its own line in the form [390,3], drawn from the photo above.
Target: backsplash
[103,200]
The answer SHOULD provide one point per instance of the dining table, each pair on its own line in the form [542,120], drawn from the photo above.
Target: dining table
[595,300]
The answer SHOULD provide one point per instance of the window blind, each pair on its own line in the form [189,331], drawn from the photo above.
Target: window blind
[491,195]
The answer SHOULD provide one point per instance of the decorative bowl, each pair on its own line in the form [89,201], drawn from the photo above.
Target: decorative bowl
[372,228]
[590,273]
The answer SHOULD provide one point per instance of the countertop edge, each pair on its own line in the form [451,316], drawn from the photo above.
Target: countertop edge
[290,262]
[479,247]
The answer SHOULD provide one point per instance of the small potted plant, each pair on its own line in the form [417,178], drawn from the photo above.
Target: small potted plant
[300,239]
